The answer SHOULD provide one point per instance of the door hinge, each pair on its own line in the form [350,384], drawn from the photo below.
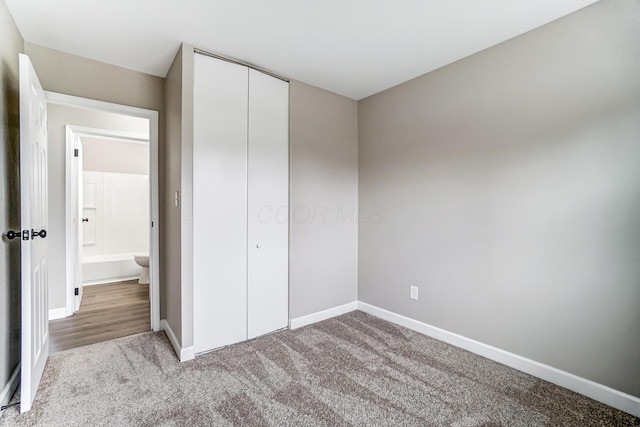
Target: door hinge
[76,152]
[76,291]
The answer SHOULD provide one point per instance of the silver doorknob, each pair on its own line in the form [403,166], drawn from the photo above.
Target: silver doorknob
[259,245]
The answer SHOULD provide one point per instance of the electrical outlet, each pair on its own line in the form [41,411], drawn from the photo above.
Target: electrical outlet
[414,292]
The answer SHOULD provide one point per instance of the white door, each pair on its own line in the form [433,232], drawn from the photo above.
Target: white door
[240,203]
[268,200]
[78,208]
[219,203]
[34,216]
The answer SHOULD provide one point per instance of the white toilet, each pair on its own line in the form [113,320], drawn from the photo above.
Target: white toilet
[143,261]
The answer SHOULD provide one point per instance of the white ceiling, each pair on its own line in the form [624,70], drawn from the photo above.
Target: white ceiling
[352,47]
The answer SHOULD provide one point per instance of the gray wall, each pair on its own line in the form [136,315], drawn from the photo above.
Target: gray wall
[11,44]
[186,196]
[171,249]
[509,187]
[58,116]
[323,199]
[74,75]
[179,171]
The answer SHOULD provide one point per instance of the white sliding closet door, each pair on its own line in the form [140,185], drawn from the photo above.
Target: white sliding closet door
[268,200]
[219,203]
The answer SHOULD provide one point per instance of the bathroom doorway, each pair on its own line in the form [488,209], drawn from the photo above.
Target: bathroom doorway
[110,221]
[109,198]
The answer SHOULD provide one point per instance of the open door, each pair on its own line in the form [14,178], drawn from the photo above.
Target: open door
[34,218]
[79,221]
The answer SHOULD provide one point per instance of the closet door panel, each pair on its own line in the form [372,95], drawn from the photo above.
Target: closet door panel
[219,203]
[268,199]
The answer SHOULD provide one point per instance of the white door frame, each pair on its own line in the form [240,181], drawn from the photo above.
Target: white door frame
[71,133]
[154,224]
[72,191]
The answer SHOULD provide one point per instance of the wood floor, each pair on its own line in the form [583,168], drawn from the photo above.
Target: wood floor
[108,311]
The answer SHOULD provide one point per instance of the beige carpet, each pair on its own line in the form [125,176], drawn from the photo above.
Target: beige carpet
[353,370]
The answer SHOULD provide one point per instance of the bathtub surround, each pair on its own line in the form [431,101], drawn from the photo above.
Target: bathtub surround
[109,268]
[116,206]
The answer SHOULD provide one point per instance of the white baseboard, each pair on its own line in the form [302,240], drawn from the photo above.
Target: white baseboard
[601,393]
[318,316]
[58,313]
[184,354]
[10,387]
